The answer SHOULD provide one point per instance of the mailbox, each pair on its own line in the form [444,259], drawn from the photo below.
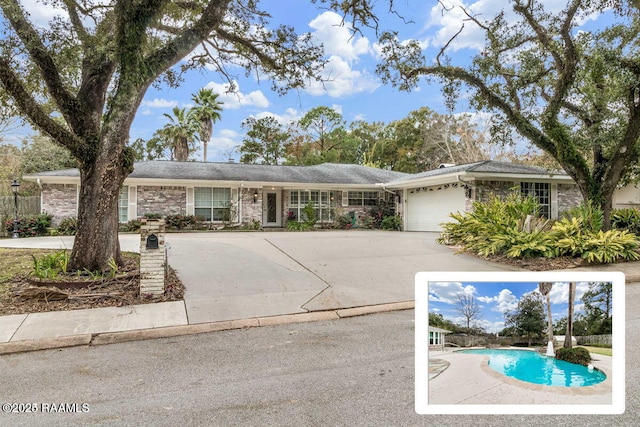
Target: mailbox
[152,241]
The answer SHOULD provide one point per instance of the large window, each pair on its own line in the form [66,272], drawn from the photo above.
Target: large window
[123,204]
[363,198]
[319,199]
[212,204]
[540,192]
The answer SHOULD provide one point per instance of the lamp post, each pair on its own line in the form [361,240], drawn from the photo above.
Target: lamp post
[15,185]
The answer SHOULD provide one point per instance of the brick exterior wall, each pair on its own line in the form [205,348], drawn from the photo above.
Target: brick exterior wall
[485,189]
[251,211]
[162,200]
[59,200]
[568,196]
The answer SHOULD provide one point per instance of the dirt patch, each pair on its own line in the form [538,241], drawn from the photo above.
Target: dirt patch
[22,293]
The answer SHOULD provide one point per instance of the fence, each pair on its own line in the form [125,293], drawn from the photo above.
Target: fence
[484,340]
[27,205]
[594,339]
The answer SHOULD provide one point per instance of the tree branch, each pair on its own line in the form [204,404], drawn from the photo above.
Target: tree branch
[12,84]
[65,101]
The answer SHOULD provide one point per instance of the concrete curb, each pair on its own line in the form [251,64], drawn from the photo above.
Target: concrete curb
[45,344]
[200,328]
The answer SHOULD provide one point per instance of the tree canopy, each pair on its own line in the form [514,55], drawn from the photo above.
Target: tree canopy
[528,318]
[92,65]
[574,94]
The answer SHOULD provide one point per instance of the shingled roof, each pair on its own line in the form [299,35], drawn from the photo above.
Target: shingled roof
[488,167]
[326,173]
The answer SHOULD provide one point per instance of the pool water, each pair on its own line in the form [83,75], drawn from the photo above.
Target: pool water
[532,367]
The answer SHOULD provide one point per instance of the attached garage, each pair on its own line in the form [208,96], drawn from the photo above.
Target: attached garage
[428,207]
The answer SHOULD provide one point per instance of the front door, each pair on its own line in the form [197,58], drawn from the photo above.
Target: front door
[272,211]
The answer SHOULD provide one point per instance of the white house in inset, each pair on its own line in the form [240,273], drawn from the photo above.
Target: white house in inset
[437,338]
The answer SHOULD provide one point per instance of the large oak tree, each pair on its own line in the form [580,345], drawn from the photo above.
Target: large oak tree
[92,65]
[574,94]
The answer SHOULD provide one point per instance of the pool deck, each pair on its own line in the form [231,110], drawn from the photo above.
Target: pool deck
[469,380]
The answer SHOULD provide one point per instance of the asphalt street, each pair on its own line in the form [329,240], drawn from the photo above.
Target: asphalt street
[357,371]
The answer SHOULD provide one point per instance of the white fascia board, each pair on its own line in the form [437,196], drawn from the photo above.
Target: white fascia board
[521,177]
[427,181]
[53,179]
[472,176]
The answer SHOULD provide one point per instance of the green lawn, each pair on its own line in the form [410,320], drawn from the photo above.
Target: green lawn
[599,350]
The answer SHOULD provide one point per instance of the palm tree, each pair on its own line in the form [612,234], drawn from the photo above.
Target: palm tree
[207,112]
[545,289]
[569,334]
[179,133]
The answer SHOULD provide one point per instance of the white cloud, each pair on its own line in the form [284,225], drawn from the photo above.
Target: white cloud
[343,49]
[237,99]
[506,301]
[290,115]
[448,23]
[337,37]
[223,145]
[342,80]
[159,103]
[487,299]
[560,292]
[447,291]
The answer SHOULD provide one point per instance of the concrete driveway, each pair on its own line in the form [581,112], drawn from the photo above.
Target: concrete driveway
[243,275]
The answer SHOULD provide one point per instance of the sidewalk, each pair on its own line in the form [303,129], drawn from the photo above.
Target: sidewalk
[239,280]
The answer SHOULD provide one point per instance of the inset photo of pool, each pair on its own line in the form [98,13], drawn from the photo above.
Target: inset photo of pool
[520,342]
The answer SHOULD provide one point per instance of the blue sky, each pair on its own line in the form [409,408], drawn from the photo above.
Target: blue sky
[497,297]
[355,91]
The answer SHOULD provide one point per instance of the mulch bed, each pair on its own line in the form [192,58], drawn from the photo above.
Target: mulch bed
[73,291]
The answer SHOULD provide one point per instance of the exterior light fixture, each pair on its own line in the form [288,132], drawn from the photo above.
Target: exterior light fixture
[255,196]
[15,185]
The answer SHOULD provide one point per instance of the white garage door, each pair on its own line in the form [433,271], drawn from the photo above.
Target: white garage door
[427,209]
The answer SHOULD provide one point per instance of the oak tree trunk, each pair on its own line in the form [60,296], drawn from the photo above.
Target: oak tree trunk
[96,240]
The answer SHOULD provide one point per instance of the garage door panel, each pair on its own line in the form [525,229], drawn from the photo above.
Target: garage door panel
[427,209]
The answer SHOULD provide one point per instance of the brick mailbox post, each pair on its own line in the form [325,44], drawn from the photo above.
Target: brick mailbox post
[153,257]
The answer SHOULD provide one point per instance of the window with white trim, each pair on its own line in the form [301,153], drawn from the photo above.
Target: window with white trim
[123,204]
[319,199]
[363,198]
[540,192]
[212,204]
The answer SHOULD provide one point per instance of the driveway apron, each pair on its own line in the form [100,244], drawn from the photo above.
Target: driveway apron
[242,275]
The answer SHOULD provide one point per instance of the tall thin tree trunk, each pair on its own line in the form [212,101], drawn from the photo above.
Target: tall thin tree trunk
[569,334]
[96,238]
[549,319]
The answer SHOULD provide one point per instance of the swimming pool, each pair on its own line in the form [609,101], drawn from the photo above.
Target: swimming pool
[532,367]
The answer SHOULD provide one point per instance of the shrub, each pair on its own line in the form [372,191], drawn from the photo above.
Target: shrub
[507,227]
[391,222]
[577,355]
[254,224]
[131,226]
[626,219]
[343,221]
[31,225]
[309,214]
[298,226]
[591,217]
[152,215]
[68,226]
[376,214]
[181,222]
